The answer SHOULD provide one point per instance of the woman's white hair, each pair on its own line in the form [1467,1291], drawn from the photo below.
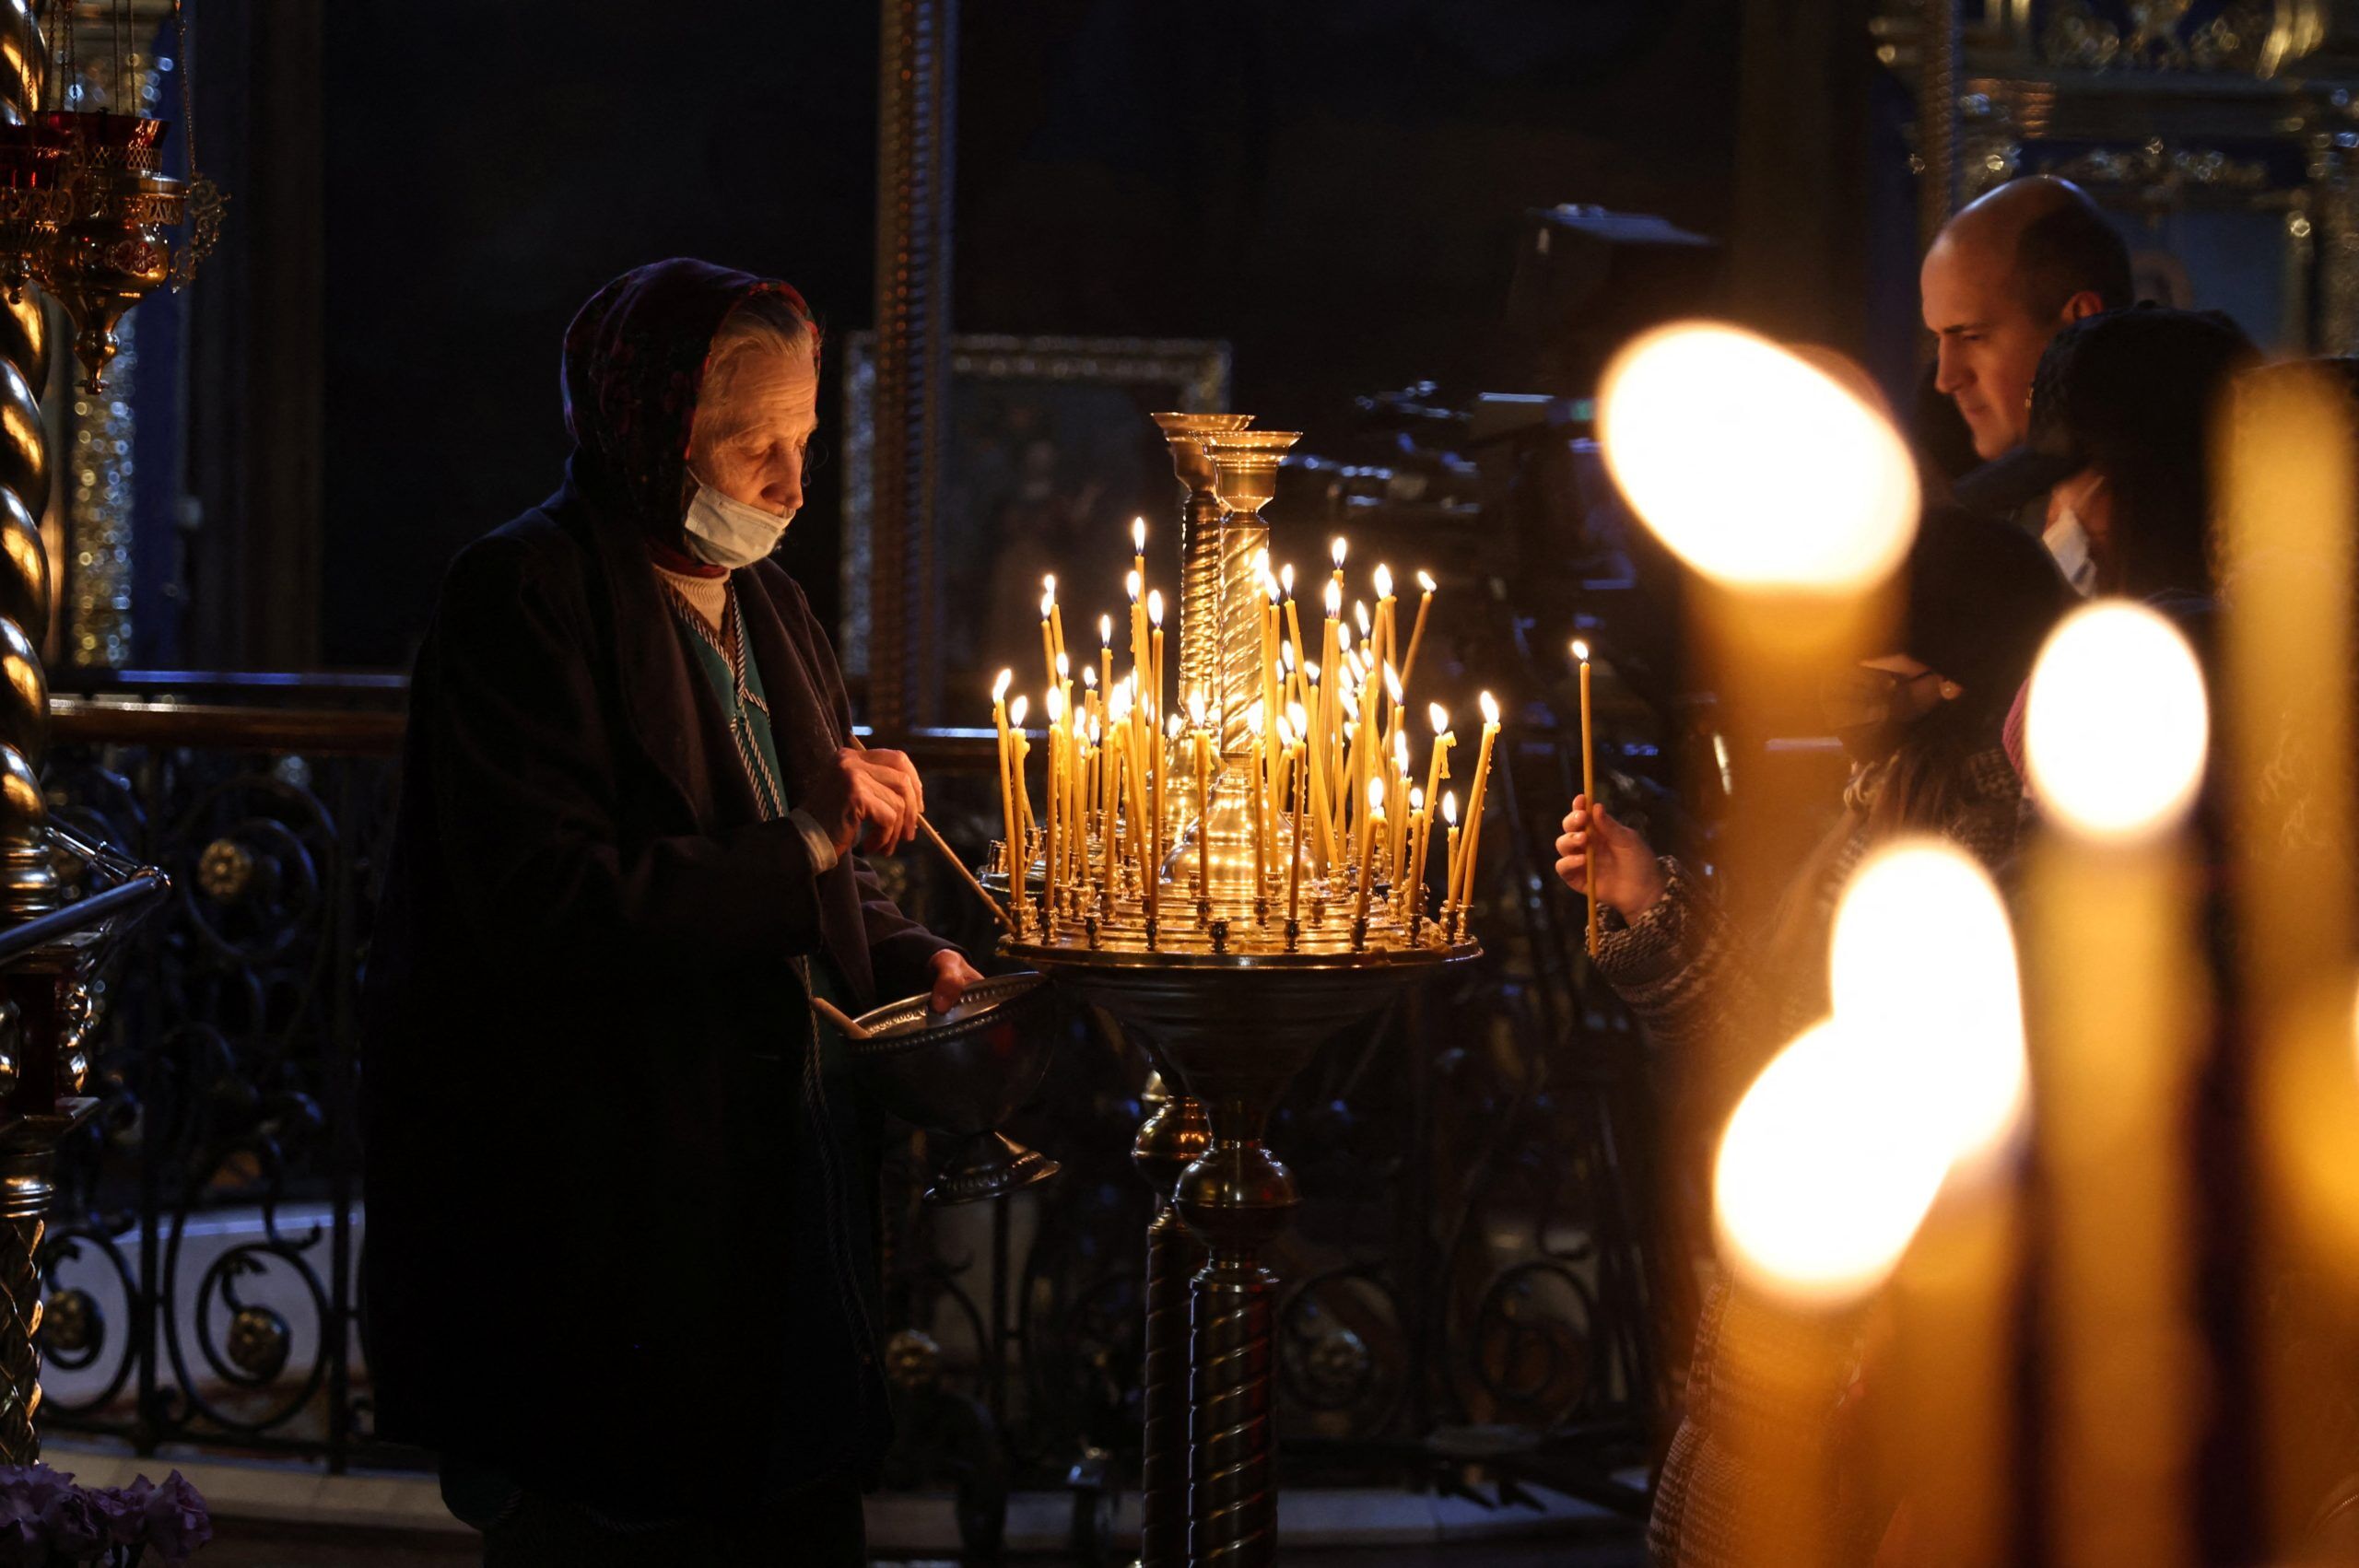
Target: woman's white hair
[761,324]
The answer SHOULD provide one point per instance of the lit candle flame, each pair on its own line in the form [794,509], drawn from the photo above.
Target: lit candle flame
[1417,798]
[1359,614]
[1351,699]
[1172,729]
[1154,608]
[1138,536]
[1256,719]
[1311,670]
[1337,550]
[999,687]
[1383,580]
[2116,723]
[1017,709]
[1064,667]
[1449,808]
[1095,729]
[1392,682]
[1286,735]
[1922,962]
[1048,602]
[1426,581]
[1131,585]
[1580,651]
[1088,673]
[1375,795]
[1298,720]
[1490,709]
[1440,716]
[1401,750]
[1106,631]
[1285,655]
[1827,1167]
[1286,579]
[1334,597]
[1196,708]
[1808,490]
[1052,703]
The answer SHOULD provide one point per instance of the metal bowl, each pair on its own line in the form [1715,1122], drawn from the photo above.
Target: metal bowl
[961,1073]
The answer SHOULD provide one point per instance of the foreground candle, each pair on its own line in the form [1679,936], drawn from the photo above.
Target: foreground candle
[2116,731]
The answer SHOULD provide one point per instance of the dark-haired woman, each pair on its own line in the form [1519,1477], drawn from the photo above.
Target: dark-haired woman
[1923,723]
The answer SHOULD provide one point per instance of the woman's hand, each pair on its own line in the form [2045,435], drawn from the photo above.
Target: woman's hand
[876,791]
[1629,878]
[952,975]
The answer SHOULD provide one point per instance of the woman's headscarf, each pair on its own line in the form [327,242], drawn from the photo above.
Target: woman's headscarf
[634,363]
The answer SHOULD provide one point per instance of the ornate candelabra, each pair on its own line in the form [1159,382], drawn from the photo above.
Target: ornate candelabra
[56,175]
[1227,887]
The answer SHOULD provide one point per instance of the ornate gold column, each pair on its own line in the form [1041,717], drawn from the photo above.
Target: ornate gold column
[27,883]
[916,127]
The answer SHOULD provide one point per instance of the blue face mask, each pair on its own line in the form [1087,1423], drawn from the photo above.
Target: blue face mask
[726,533]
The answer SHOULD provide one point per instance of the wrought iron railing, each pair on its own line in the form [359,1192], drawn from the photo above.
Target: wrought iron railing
[1465,1295]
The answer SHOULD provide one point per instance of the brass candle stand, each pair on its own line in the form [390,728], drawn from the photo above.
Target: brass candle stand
[1229,985]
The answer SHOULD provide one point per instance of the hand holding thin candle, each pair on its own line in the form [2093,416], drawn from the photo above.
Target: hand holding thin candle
[1629,877]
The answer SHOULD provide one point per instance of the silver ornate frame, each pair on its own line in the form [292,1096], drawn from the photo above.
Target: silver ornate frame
[2165,106]
[1195,371]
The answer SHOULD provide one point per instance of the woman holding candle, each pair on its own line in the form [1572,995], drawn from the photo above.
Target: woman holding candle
[627,859]
[1923,723]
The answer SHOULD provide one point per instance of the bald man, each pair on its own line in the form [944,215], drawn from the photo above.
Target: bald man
[2005,275]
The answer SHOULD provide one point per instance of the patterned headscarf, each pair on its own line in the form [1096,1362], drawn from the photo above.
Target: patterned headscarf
[634,362]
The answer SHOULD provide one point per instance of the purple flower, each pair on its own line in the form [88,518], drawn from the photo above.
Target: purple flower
[177,1521]
[72,1525]
[21,1545]
[123,1511]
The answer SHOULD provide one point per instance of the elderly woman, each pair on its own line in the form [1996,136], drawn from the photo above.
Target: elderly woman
[620,1270]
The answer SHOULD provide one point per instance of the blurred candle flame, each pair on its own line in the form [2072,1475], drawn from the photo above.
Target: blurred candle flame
[2116,723]
[1754,467]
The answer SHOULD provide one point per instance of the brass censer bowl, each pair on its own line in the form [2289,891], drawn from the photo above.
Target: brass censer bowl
[959,1074]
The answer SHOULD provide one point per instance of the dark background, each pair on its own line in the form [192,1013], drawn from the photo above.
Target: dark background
[1334,186]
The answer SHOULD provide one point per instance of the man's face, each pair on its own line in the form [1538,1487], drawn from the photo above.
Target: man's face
[753,424]
[1990,340]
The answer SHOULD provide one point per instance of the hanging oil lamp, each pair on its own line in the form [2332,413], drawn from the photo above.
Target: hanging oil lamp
[110,249]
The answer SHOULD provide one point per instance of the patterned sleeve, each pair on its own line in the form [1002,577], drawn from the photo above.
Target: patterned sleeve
[1682,966]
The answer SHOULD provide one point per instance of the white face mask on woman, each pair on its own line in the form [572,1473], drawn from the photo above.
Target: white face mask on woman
[724,531]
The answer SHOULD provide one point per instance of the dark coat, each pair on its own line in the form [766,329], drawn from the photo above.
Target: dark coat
[590,1262]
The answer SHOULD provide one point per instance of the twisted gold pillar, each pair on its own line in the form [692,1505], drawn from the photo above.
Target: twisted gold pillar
[1200,564]
[27,884]
[1245,475]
